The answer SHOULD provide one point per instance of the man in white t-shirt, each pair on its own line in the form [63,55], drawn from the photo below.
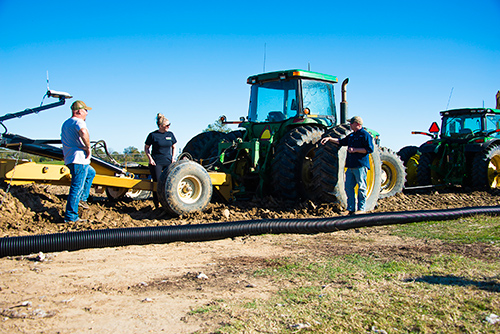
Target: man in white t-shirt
[75,140]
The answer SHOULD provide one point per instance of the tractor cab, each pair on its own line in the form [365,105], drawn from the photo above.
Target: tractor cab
[468,123]
[292,94]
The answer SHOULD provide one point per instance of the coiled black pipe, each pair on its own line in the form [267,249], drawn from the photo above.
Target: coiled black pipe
[24,245]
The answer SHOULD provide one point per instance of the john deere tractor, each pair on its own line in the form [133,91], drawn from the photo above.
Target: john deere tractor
[276,151]
[465,152]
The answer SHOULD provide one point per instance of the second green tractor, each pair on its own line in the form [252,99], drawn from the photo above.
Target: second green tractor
[465,152]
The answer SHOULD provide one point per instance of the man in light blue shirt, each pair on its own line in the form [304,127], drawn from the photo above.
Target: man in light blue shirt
[75,140]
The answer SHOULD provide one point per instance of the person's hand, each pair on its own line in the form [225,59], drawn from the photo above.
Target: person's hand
[152,162]
[355,150]
[325,140]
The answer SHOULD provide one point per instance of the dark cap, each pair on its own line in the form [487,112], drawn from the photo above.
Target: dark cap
[356,119]
[79,105]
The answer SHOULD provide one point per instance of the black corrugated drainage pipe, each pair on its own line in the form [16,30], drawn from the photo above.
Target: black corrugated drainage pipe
[24,245]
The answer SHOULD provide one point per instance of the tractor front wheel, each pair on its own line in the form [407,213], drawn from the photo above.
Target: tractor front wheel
[393,173]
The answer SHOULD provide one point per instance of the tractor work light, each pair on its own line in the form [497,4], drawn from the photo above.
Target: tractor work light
[58,95]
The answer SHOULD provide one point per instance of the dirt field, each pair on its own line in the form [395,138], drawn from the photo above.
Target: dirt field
[152,288]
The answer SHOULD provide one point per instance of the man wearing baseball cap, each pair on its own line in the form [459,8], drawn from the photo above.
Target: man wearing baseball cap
[359,145]
[75,140]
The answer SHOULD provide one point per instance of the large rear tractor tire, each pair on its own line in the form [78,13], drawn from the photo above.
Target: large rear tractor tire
[411,171]
[292,165]
[427,170]
[393,173]
[184,188]
[406,153]
[409,155]
[486,169]
[329,172]
[231,137]
[204,147]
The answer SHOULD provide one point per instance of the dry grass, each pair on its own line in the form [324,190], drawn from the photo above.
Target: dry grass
[368,292]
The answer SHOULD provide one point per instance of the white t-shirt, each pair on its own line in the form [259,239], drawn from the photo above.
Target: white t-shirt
[72,144]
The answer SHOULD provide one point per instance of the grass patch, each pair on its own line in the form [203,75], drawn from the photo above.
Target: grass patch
[354,293]
[465,230]
[205,309]
[397,297]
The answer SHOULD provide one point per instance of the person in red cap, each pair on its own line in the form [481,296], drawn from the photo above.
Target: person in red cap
[75,140]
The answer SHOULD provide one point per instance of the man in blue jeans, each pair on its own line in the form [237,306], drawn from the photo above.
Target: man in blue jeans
[75,140]
[359,146]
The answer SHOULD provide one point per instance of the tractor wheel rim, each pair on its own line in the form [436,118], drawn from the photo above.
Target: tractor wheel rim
[370,178]
[388,179]
[189,189]
[493,172]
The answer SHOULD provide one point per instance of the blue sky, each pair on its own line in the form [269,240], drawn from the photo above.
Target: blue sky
[129,60]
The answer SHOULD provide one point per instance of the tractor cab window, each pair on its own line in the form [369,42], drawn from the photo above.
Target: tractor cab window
[319,98]
[493,124]
[273,101]
[461,125]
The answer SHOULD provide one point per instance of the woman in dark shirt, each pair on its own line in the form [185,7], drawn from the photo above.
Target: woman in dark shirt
[162,144]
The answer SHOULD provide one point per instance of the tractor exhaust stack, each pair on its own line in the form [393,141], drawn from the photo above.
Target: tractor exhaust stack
[343,103]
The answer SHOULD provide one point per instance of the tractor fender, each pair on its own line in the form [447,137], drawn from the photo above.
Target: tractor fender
[429,148]
[479,147]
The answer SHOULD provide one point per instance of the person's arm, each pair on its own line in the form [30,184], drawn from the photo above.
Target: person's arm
[369,143]
[173,152]
[327,139]
[84,135]
[148,154]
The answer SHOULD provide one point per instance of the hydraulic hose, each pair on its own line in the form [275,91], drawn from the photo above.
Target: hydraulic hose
[24,245]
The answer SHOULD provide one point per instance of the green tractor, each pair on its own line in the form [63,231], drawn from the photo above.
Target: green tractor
[276,152]
[465,152]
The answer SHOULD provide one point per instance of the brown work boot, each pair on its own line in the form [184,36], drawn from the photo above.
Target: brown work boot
[347,213]
[83,205]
